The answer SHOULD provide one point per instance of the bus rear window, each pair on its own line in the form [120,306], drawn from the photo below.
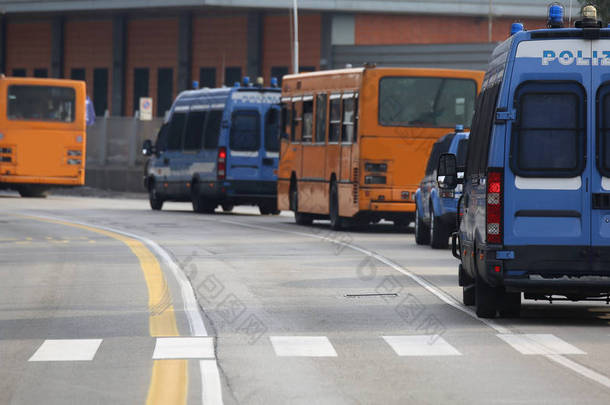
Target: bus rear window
[245,131]
[41,103]
[426,101]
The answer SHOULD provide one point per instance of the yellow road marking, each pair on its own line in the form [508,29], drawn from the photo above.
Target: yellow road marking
[169,381]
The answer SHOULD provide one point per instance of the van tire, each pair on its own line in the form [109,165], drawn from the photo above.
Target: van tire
[299,217]
[200,204]
[226,207]
[468,295]
[422,232]
[268,208]
[336,222]
[156,202]
[32,191]
[486,299]
[510,304]
[439,237]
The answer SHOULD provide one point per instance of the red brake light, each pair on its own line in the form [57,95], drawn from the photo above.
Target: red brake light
[221,164]
[222,153]
[494,207]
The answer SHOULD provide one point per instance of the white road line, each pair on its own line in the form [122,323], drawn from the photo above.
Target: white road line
[184,348]
[302,346]
[67,350]
[421,345]
[211,388]
[443,296]
[539,344]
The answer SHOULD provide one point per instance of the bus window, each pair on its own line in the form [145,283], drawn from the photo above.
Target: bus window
[297,117]
[321,118]
[212,129]
[286,123]
[272,130]
[347,133]
[334,126]
[193,136]
[245,131]
[41,103]
[176,130]
[307,135]
[442,102]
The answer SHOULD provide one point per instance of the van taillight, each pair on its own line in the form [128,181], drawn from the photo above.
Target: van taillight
[221,164]
[494,206]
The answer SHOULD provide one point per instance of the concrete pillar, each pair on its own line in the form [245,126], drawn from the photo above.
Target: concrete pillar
[255,45]
[185,50]
[119,46]
[326,46]
[57,47]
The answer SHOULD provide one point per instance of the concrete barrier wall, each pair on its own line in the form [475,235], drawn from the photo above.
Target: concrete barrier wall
[114,160]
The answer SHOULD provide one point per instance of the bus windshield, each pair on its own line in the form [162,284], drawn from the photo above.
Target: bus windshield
[41,103]
[426,101]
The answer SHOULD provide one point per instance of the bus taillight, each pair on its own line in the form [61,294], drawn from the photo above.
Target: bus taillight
[222,163]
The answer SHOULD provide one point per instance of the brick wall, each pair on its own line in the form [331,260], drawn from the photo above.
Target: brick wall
[277,43]
[418,29]
[219,42]
[88,45]
[28,46]
[153,44]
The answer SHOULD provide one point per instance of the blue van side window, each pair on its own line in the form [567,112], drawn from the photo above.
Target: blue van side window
[212,129]
[193,136]
[272,130]
[162,136]
[245,131]
[176,129]
[548,138]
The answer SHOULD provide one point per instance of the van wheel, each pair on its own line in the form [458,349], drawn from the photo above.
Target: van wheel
[200,204]
[32,191]
[299,217]
[268,208]
[439,238]
[510,304]
[336,222]
[422,232]
[486,299]
[468,295]
[156,202]
[226,207]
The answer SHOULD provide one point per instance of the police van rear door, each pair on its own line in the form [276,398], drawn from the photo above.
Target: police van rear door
[547,196]
[245,144]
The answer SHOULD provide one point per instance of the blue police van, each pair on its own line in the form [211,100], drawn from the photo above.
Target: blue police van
[435,208]
[217,147]
[536,202]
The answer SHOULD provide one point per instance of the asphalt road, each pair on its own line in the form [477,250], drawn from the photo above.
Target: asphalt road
[105,301]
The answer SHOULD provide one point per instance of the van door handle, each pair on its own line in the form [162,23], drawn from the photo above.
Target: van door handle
[268,161]
[166,161]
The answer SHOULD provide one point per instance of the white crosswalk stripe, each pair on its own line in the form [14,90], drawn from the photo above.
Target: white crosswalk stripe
[302,346]
[184,348]
[67,350]
[421,345]
[539,344]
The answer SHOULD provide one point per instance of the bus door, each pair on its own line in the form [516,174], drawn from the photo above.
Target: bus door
[349,141]
[313,160]
[334,148]
[271,147]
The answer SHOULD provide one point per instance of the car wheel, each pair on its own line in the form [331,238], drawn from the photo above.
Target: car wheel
[422,233]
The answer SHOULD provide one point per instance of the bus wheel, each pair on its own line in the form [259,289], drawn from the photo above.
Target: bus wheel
[422,233]
[31,191]
[439,238]
[227,207]
[299,217]
[336,222]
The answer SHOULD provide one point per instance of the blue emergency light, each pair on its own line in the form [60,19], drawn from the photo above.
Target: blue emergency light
[274,82]
[459,128]
[516,27]
[246,81]
[555,16]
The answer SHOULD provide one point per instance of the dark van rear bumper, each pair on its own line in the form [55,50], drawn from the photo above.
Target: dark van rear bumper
[241,191]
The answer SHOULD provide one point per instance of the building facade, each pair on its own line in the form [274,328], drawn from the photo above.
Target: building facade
[127,49]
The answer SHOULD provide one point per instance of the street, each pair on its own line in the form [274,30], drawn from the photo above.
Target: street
[104,301]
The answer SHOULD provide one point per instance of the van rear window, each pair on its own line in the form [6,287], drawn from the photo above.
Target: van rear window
[548,137]
[426,101]
[245,131]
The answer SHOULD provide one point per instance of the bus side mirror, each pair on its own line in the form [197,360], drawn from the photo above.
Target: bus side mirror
[447,174]
[147,148]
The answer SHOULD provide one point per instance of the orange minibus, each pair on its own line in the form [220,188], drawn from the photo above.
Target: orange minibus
[354,142]
[42,134]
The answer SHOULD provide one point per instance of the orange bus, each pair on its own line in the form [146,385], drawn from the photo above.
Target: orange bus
[42,134]
[355,141]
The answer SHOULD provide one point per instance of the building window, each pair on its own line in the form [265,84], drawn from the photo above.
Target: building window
[140,86]
[100,91]
[304,69]
[41,73]
[165,88]
[78,74]
[207,77]
[19,73]
[279,72]
[232,76]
